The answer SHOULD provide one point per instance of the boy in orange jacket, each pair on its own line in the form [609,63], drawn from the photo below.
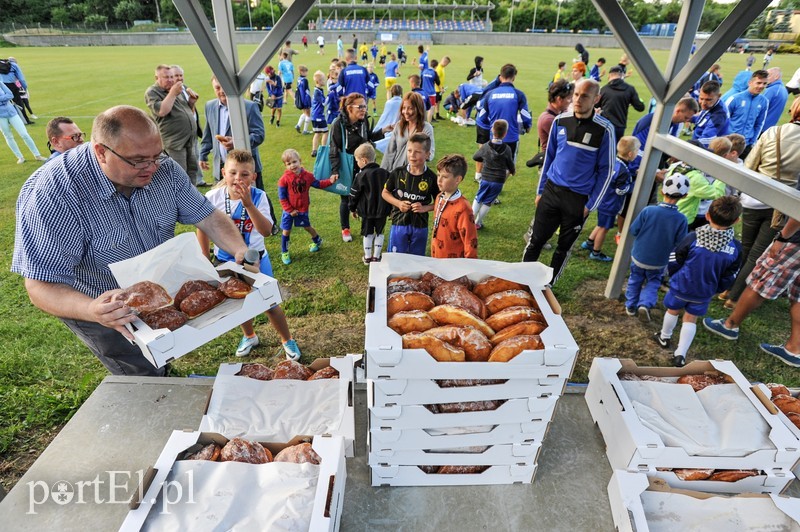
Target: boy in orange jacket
[454,233]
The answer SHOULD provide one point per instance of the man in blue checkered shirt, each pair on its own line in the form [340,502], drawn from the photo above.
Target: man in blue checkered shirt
[102,202]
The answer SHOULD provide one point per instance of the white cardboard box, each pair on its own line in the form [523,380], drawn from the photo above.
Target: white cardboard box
[328,500]
[345,396]
[762,391]
[506,454]
[411,475]
[769,482]
[625,490]
[415,439]
[632,446]
[386,358]
[388,392]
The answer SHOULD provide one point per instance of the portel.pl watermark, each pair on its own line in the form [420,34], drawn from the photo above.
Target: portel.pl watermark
[109,487]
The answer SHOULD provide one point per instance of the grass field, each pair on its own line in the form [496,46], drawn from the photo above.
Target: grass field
[46,373]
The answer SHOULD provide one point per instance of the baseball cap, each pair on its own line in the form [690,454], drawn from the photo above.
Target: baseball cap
[676,184]
[615,70]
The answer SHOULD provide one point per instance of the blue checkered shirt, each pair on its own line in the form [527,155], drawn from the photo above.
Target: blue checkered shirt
[72,223]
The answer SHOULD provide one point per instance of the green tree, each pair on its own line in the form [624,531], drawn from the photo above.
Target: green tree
[581,15]
[128,11]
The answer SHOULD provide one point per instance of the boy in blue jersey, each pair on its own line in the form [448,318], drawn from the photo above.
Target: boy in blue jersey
[318,113]
[275,92]
[430,79]
[609,207]
[656,232]
[372,88]
[286,68]
[414,83]
[390,74]
[423,58]
[598,71]
[704,263]
[335,93]
[302,100]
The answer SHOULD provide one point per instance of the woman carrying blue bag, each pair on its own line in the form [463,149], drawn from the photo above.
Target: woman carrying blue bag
[349,131]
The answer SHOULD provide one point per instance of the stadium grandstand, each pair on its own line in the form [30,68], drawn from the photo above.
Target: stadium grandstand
[403,16]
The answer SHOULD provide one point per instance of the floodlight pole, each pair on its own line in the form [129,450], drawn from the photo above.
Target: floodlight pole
[558,14]
[535,8]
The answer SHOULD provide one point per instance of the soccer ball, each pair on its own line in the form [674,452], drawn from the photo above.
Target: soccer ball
[675,185]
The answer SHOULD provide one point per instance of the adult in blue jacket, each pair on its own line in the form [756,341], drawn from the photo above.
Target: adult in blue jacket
[748,110]
[10,80]
[776,95]
[577,170]
[509,103]
[713,120]
[218,123]
[354,77]
[739,84]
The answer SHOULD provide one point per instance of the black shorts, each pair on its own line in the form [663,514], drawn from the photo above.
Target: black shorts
[372,226]
[438,97]
[482,136]
[288,86]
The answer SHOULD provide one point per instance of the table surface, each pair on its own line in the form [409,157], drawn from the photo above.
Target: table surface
[85,478]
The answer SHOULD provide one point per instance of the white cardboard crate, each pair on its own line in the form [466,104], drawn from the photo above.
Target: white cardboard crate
[328,500]
[398,475]
[505,454]
[625,490]
[345,395]
[413,439]
[387,392]
[386,358]
[161,346]
[766,482]
[632,446]
[762,391]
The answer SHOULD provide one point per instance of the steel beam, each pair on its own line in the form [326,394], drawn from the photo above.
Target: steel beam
[195,18]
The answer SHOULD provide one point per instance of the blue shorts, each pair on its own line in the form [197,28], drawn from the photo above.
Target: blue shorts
[320,126]
[277,103]
[488,192]
[408,239]
[675,303]
[606,220]
[301,220]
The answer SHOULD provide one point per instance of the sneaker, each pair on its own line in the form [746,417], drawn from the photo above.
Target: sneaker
[723,296]
[297,128]
[313,153]
[346,236]
[246,345]
[278,123]
[630,311]
[663,342]
[21,160]
[585,245]
[469,122]
[644,313]
[314,247]
[678,361]
[308,132]
[203,184]
[477,179]
[366,260]
[478,226]
[496,201]
[718,327]
[272,119]
[292,350]
[34,117]
[548,246]
[599,256]
[780,352]
[40,158]
[286,258]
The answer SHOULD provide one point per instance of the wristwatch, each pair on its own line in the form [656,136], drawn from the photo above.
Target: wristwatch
[780,238]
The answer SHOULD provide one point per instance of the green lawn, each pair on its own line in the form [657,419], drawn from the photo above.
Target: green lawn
[45,373]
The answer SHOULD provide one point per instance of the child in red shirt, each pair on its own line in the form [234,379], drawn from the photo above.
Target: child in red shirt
[454,233]
[293,187]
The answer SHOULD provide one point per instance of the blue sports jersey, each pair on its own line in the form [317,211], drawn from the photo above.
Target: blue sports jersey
[429,78]
[423,60]
[372,86]
[507,103]
[286,68]
[747,112]
[595,73]
[275,90]
[302,97]
[335,93]
[714,122]
[354,78]
[392,69]
[425,101]
[482,120]
[318,104]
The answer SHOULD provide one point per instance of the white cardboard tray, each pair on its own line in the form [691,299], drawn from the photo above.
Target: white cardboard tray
[633,447]
[770,482]
[415,439]
[411,475]
[506,454]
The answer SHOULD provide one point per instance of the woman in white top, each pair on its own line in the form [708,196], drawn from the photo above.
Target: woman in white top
[412,120]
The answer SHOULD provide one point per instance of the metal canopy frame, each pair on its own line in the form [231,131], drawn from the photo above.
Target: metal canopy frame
[223,58]
[667,88]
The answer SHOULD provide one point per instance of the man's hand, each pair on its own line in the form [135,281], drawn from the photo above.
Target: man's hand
[109,311]
[176,89]
[775,249]
[585,212]
[204,165]
[536,201]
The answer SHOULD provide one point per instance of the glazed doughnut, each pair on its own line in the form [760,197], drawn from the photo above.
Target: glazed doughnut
[461,469]
[190,287]
[209,452]
[404,301]
[733,475]
[145,296]
[692,474]
[235,288]
[164,318]
[429,469]
[509,298]
[325,373]
[452,315]
[407,284]
[221,138]
[441,351]
[302,453]
[778,389]
[511,315]
[787,404]
[794,417]
[524,327]
[259,372]
[240,450]
[289,369]
[434,280]
[411,321]
[199,302]
[448,293]
[492,285]
[698,382]
[508,349]
[475,345]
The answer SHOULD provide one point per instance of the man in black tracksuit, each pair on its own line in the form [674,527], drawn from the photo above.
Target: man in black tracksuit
[615,98]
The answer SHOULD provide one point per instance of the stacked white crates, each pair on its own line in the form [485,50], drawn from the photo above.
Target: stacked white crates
[403,434]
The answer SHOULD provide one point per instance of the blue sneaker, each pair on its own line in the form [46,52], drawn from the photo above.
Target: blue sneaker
[292,350]
[246,345]
[718,327]
[780,352]
[314,247]
[585,245]
[599,256]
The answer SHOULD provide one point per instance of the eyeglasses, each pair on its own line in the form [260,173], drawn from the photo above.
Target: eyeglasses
[359,107]
[140,165]
[77,137]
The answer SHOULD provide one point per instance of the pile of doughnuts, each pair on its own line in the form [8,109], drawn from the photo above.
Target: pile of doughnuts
[465,406]
[453,469]
[455,321]
[250,452]
[288,369]
[160,311]
[718,475]
[786,402]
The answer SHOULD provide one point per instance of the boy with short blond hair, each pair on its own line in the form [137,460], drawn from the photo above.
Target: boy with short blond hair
[366,201]
[454,233]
